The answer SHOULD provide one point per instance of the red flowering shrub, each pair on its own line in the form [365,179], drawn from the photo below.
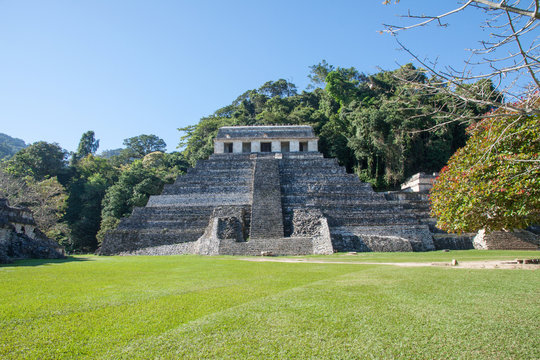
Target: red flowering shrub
[493,182]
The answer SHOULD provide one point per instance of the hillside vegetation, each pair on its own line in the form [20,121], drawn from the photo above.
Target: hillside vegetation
[9,146]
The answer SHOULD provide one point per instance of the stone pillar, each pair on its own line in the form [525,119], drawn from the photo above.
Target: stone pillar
[312,145]
[276,146]
[294,146]
[237,147]
[218,147]
[255,146]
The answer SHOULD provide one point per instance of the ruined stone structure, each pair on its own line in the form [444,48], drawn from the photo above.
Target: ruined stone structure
[419,183]
[267,189]
[21,239]
[414,196]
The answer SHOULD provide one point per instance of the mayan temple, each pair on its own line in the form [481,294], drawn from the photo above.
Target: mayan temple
[267,189]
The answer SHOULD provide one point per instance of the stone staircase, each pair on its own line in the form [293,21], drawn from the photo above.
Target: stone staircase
[418,203]
[266,213]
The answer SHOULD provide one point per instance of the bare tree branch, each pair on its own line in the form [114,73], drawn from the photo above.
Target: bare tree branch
[511,9]
[508,59]
[523,53]
[449,80]
[393,29]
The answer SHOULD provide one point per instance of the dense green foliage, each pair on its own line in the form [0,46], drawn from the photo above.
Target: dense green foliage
[90,180]
[73,202]
[87,145]
[494,181]
[9,146]
[46,198]
[374,125]
[190,307]
[40,160]
[35,177]
[139,146]
[136,183]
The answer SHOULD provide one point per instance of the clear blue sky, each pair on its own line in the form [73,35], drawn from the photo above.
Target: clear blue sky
[128,67]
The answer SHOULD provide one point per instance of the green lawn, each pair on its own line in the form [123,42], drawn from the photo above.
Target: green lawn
[177,307]
[432,256]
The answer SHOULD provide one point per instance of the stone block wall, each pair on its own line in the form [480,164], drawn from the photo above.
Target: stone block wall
[453,241]
[274,246]
[358,218]
[418,203]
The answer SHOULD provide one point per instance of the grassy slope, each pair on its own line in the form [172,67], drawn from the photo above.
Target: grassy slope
[207,307]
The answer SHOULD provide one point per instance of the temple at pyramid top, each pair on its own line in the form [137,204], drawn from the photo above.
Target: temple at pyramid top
[265,139]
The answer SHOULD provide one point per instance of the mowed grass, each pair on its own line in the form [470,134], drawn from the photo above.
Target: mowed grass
[431,256]
[177,307]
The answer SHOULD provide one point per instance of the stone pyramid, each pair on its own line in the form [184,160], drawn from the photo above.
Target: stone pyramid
[267,189]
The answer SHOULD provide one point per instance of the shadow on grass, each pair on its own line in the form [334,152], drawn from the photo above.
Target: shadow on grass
[39,262]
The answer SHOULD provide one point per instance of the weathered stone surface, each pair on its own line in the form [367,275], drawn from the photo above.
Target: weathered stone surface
[506,240]
[311,223]
[358,218]
[182,213]
[277,246]
[418,204]
[266,132]
[266,212]
[21,239]
[453,241]
[382,238]
[420,182]
[306,222]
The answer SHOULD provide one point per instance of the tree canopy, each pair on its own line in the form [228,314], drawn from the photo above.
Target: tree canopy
[46,198]
[39,160]
[87,145]
[139,146]
[492,182]
[136,183]
[68,200]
